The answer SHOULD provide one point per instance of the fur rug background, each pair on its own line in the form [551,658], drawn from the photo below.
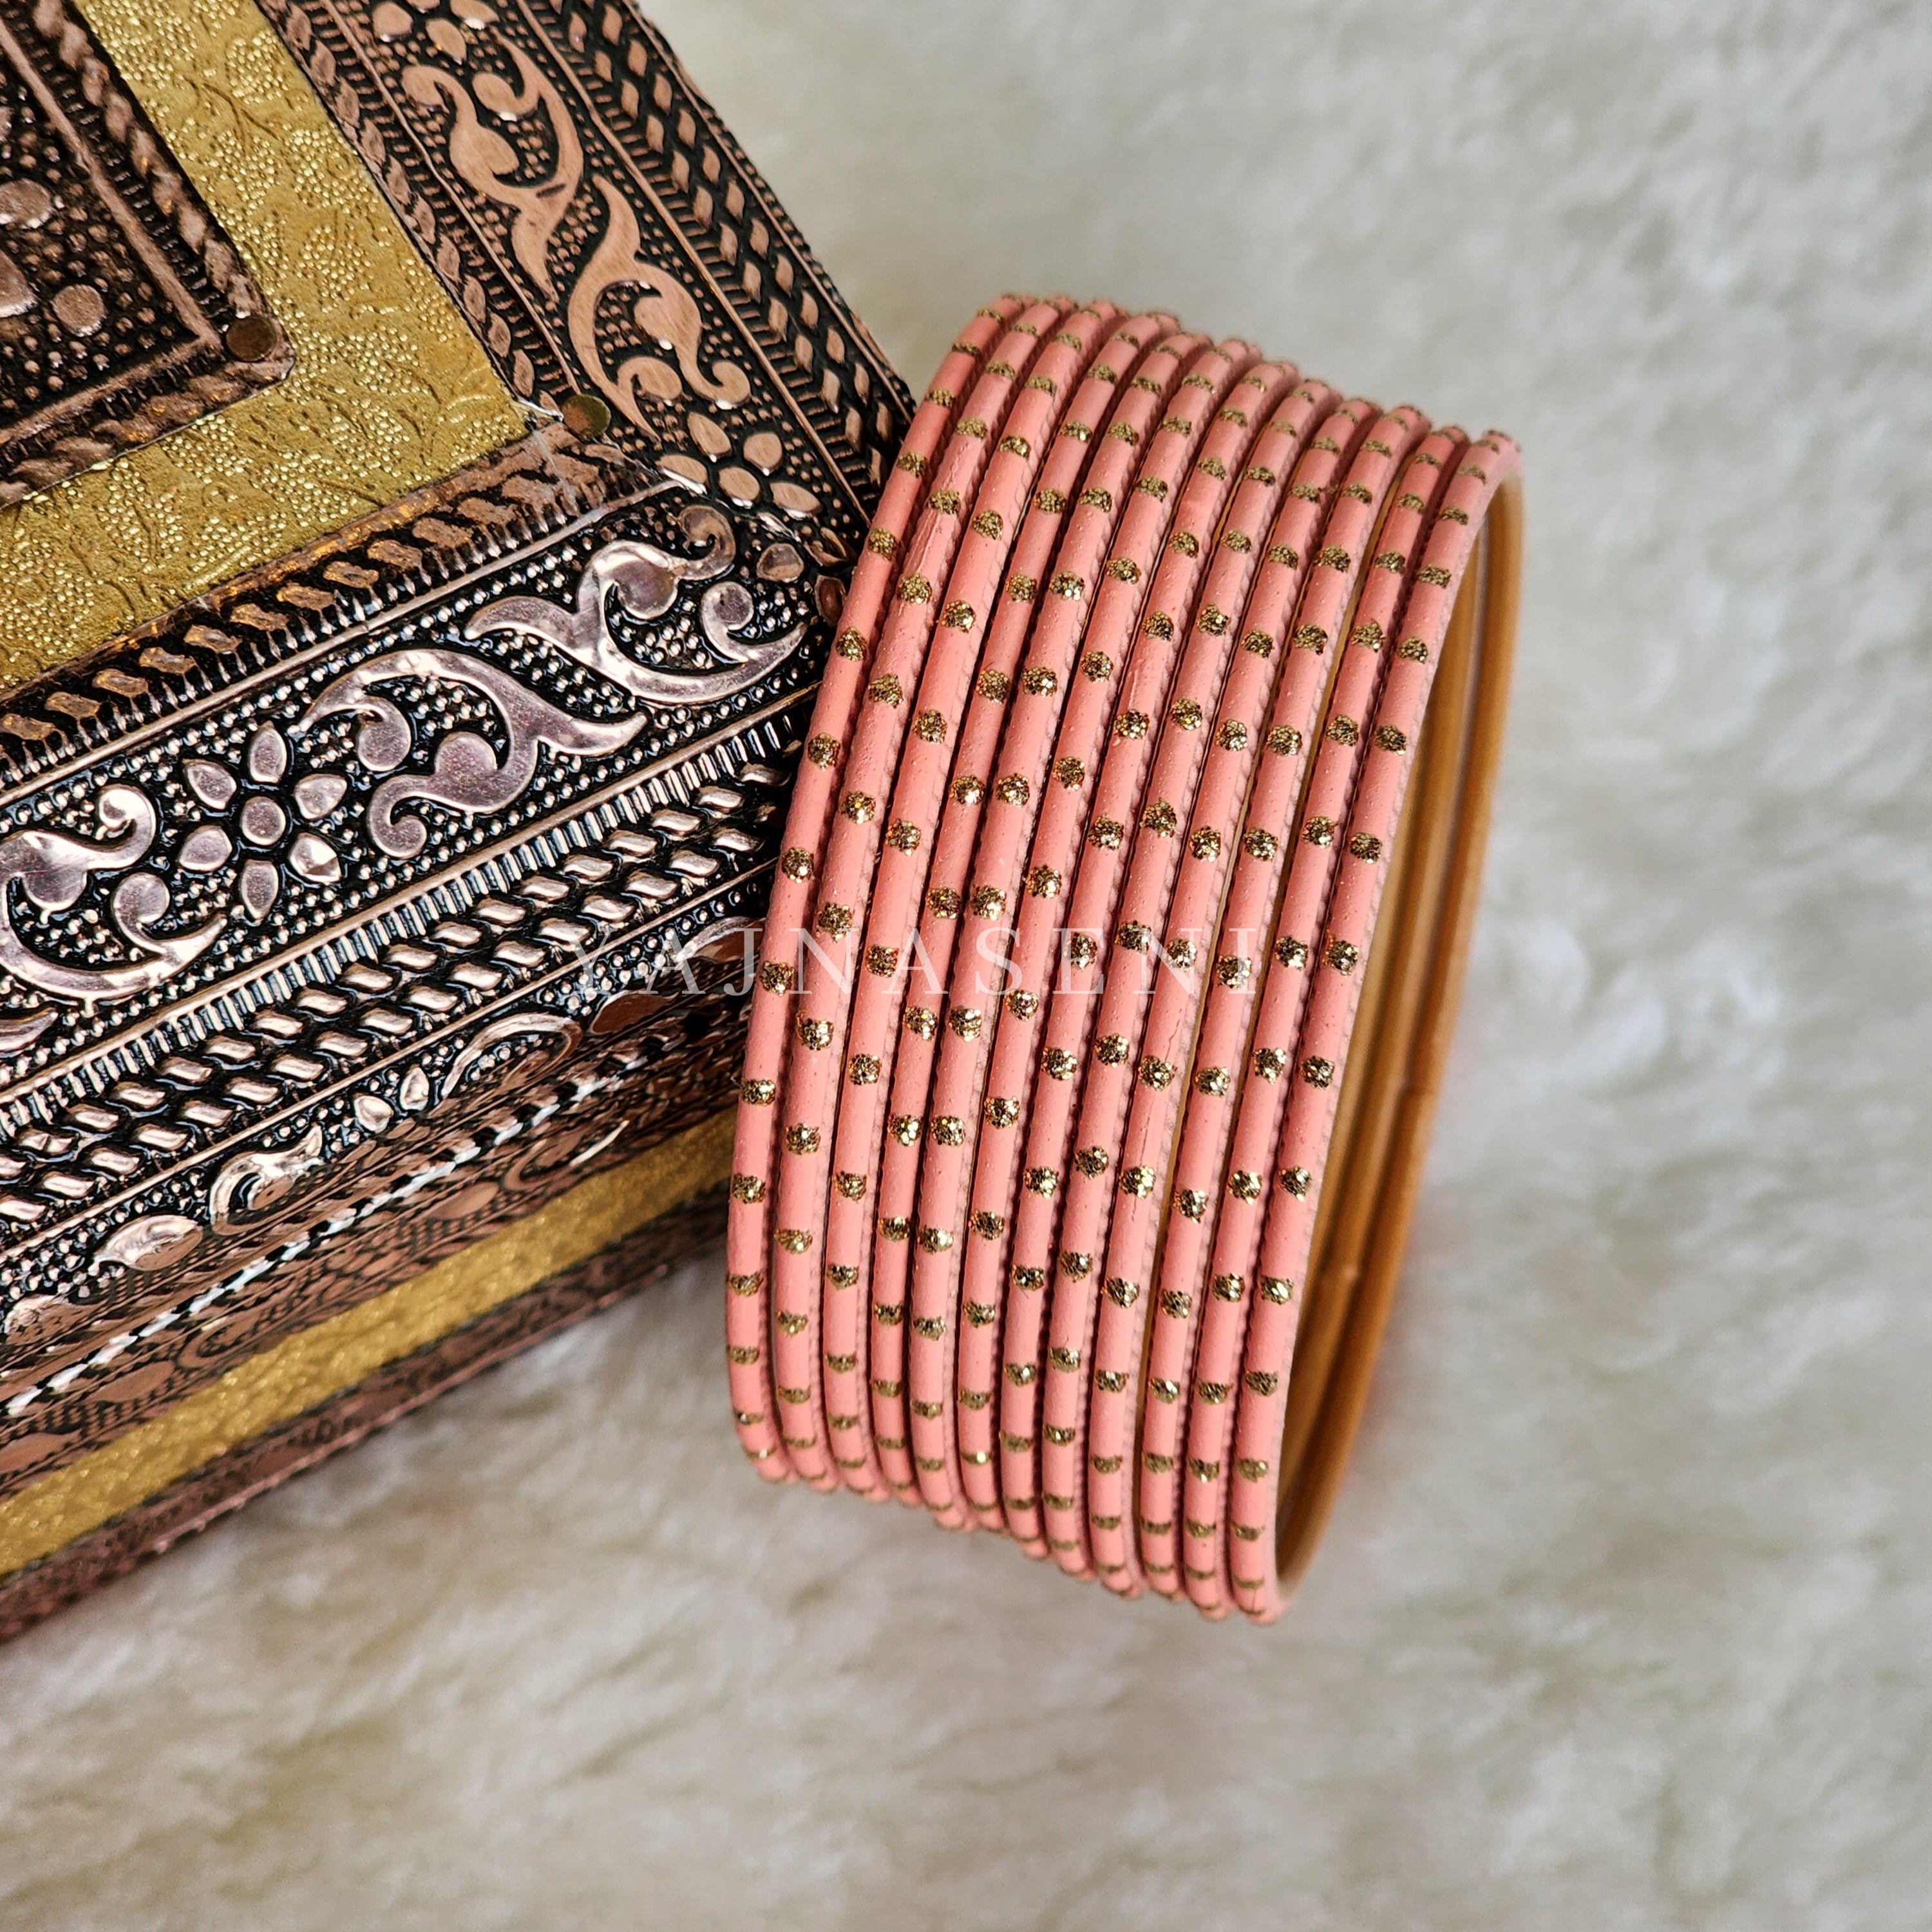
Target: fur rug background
[1622,1620]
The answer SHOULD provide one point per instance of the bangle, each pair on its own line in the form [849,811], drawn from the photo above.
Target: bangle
[1212,1090]
[1076,1184]
[1094,1013]
[1101,596]
[1060,611]
[1434,851]
[940,1170]
[993,519]
[1154,564]
[914,642]
[1170,911]
[747,1306]
[1358,565]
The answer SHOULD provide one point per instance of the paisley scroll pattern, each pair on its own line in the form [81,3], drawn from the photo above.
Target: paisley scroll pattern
[824,413]
[382,1052]
[563,1037]
[243,824]
[52,868]
[645,580]
[664,311]
[467,773]
[489,164]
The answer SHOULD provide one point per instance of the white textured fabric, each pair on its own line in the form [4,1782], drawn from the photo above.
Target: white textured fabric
[1621,1621]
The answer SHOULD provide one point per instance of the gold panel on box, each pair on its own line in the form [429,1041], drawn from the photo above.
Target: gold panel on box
[389,389]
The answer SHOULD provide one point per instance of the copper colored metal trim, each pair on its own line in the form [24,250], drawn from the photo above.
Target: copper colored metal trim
[252,1467]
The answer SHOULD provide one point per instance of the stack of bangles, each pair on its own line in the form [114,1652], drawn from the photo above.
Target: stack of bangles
[1112,958]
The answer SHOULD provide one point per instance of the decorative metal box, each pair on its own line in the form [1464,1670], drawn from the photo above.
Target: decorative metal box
[429,460]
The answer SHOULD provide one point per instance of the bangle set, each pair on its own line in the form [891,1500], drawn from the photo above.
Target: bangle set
[747,1227]
[1113,954]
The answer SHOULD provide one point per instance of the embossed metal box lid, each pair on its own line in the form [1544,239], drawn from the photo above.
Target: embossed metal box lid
[429,459]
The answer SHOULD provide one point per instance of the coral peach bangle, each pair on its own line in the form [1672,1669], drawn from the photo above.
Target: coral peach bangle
[1169,917]
[1178,634]
[932,951]
[1258,1488]
[1239,727]
[993,520]
[1363,557]
[1048,534]
[1053,627]
[1141,580]
[747,1305]
[1276,780]
[908,647]
[1133,627]
[1056,1291]
[1280,617]
[1059,623]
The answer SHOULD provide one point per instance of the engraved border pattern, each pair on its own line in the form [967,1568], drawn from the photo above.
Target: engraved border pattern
[648,142]
[258,1084]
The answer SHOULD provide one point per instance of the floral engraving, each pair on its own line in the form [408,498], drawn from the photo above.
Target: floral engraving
[467,773]
[239,827]
[263,823]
